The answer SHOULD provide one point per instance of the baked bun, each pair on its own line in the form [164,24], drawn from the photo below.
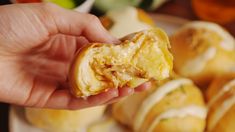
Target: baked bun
[63,120]
[203,50]
[174,105]
[121,22]
[107,125]
[141,57]
[221,104]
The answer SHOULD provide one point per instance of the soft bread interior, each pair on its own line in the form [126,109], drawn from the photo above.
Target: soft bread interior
[143,57]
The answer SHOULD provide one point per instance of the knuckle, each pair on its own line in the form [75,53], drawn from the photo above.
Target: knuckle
[50,7]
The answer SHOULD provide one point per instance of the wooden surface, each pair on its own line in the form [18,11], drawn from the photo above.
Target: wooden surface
[180,8]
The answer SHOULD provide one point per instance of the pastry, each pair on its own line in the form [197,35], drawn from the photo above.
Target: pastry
[140,57]
[121,22]
[107,125]
[203,50]
[221,104]
[173,105]
[64,120]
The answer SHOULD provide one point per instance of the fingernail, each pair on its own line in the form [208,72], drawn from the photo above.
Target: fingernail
[114,92]
[114,40]
[130,91]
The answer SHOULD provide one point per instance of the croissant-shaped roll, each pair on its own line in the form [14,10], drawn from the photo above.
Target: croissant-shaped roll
[203,50]
[221,104]
[176,105]
[141,57]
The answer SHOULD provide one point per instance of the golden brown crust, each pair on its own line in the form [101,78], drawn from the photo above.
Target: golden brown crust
[199,49]
[221,104]
[182,97]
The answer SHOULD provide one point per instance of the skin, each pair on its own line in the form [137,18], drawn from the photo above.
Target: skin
[37,45]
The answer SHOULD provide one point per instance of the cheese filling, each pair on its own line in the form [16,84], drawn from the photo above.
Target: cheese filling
[155,97]
[192,110]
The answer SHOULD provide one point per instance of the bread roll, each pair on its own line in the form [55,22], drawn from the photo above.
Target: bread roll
[221,104]
[64,120]
[107,125]
[175,105]
[203,50]
[142,57]
[121,22]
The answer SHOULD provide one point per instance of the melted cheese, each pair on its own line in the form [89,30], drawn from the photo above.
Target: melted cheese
[192,110]
[197,64]
[156,97]
[125,21]
[225,89]
[220,112]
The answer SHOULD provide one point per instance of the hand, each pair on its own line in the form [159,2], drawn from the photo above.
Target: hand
[37,45]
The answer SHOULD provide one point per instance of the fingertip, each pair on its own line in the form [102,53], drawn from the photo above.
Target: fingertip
[125,91]
[113,40]
[143,87]
[113,92]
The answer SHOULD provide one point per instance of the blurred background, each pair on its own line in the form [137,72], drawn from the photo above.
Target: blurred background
[218,11]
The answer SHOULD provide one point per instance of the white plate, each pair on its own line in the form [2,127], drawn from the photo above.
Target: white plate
[17,121]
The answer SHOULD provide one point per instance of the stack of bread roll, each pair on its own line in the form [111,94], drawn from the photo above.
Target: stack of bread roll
[173,105]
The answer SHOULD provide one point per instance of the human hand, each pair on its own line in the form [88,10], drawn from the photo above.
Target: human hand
[37,44]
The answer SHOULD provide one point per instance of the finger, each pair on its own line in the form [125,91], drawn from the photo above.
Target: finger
[143,87]
[75,23]
[62,99]
[81,42]
[123,92]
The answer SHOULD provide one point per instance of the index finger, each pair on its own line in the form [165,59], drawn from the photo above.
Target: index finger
[75,23]
[63,99]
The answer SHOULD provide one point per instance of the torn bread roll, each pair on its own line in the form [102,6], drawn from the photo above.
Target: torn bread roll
[203,50]
[174,105]
[141,57]
[120,22]
[64,120]
[221,104]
